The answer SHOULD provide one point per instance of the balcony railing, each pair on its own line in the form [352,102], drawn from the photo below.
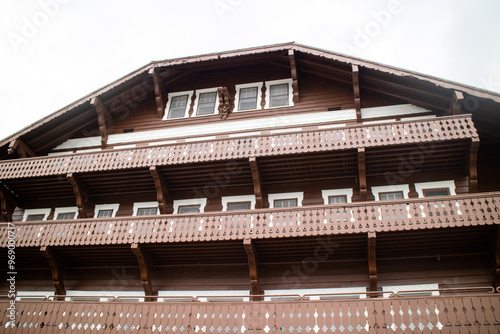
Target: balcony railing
[361,217]
[393,133]
[477,313]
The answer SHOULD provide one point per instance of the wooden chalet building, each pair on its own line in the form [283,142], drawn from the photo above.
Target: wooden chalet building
[276,189]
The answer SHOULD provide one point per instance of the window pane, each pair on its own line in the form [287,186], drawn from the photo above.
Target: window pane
[391,196]
[238,206]
[248,98]
[178,106]
[32,218]
[436,192]
[206,103]
[337,199]
[189,209]
[146,211]
[285,203]
[279,95]
[67,215]
[105,213]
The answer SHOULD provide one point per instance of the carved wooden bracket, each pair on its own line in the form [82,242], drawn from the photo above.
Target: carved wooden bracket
[103,118]
[252,265]
[413,191]
[81,194]
[22,149]
[474,145]
[225,103]
[144,265]
[362,174]
[357,98]
[165,202]
[456,102]
[57,270]
[160,93]
[372,263]
[263,96]
[260,196]
[295,81]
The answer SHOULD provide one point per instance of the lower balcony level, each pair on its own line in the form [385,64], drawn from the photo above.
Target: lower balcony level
[447,313]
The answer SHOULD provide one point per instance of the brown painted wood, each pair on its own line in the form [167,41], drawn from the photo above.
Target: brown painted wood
[7,206]
[357,98]
[226,104]
[474,145]
[81,194]
[104,119]
[413,192]
[252,266]
[144,265]
[372,262]
[56,268]
[496,274]
[260,197]
[20,148]
[160,92]
[456,103]
[294,73]
[165,201]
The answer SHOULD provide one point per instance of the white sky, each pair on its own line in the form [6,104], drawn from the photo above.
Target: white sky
[53,52]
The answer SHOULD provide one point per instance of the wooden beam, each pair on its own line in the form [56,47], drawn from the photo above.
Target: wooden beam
[6,205]
[20,148]
[364,195]
[357,98]
[372,262]
[165,202]
[160,93]
[104,119]
[252,265]
[225,103]
[144,265]
[456,103]
[57,270]
[260,196]
[474,145]
[295,81]
[81,194]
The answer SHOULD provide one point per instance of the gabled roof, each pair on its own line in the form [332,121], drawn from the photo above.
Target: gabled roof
[414,87]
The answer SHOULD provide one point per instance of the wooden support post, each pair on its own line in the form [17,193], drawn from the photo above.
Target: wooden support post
[364,194]
[7,206]
[413,192]
[81,194]
[225,102]
[260,196]
[372,263]
[144,265]
[295,80]
[252,265]
[474,145]
[103,118]
[456,102]
[160,94]
[22,149]
[357,98]
[57,270]
[165,202]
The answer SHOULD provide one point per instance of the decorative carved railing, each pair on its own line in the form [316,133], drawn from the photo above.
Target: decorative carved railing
[407,214]
[407,132]
[445,314]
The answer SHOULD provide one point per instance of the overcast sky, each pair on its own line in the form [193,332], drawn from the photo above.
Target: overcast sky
[53,52]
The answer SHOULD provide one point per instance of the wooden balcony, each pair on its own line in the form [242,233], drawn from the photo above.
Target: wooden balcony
[361,217]
[470,313]
[451,128]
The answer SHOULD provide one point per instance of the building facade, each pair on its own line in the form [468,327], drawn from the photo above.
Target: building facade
[277,189]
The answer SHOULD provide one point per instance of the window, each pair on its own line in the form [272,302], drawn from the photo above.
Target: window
[146,211]
[389,196]
[436,188]
[436,192]
[315,294]
[285,203]
[235,206]
[334,196]
[31,215]
[32,218]
[178,106]
[189,209]
[337,199]
[206,103]
[145,208]
[66,215]
[248,98]
[106,210]
[69,212]
[279,95]
[204,295]
[285,200]
[413,289]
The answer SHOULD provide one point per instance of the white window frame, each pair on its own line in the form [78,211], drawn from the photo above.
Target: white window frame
[240,198]
[23,294]
[405,188]
[140,205]
[197,101]
[68,209]
[206,293]
[202,202]
[450,184]
[336,192]
[361,291]
[258,85]
[279,82]
[113,207]
[298,195]
[30,212]
[416,287]
[189,93]
[102,294]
